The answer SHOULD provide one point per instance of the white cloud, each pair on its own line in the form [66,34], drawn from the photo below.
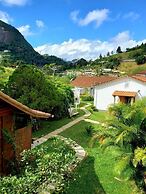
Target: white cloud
[14,2]
[98,16]
[25,30]
[40,23]
[132,15]
[74,15]
[5,17]
[88,49]
[121,37]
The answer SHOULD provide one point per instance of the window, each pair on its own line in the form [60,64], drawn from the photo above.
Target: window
[20,120]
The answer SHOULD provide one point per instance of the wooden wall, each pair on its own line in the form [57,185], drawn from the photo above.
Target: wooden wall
[21,138]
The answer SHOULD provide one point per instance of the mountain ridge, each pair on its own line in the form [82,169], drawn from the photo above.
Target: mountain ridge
[12,40]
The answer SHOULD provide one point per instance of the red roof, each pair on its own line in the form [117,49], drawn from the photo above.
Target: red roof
[140,78]
[125,93]
[88,81]
[142,72]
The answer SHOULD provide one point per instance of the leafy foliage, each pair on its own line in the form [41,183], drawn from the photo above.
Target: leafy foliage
[50,164]
[54,60]
[139,157]
[126,130]
[119,50]
[141,59]
[89,129]
[87,97]
[127,124]
[29,86]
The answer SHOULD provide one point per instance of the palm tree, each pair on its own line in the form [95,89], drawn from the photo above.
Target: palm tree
[127,131]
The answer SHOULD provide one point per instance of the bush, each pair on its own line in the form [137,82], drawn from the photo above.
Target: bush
[89,130]
[94,108]
[87,98]
[140,59]
[49,164]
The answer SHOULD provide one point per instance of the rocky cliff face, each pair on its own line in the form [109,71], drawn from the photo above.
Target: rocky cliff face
[11,39]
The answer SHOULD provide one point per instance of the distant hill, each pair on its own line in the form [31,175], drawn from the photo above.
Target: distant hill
[11,40]
[56,60]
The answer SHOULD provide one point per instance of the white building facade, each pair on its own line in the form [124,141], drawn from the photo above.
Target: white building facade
[126,89]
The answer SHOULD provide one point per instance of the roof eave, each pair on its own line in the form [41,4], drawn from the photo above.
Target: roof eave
[23,108]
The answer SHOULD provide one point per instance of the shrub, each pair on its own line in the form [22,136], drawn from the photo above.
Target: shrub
[94,108]
[87,98]
[141,59]
[50,164]
[90,110]
[89,130]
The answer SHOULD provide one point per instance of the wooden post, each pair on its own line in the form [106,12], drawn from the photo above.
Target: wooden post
[114,99]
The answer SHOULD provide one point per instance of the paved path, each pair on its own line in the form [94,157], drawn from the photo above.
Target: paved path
[94,122]
[63,128]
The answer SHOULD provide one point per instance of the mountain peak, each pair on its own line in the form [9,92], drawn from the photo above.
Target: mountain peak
[11,39]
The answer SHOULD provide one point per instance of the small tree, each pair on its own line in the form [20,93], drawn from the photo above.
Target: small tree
[140,59]
[108,54]
[126,131]
[119,50]
[100,56]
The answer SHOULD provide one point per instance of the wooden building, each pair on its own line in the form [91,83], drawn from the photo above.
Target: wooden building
[15,129]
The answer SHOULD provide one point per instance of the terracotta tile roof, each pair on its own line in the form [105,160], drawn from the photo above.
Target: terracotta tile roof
[88,81]
[23,108]
[142,72]
[124,93]
[140,78]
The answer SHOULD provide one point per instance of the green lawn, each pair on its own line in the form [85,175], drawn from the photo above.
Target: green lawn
[49,126]
[100,116]
[95,174]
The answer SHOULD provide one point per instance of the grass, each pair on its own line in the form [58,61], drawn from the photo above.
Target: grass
[83,184]
[100,116]
[96,174]
[131,67]
[49,126]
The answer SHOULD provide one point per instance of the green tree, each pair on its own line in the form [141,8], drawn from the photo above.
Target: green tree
[29,86]
[141,59]
[126,131]
[112,63]
[81,63]
[100,56]
[119,50]
[108,54]
[48,69]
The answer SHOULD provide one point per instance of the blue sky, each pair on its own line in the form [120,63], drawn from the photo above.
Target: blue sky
[77,28]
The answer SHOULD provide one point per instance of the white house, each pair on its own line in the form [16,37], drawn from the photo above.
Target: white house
[87,83]
[126,89]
